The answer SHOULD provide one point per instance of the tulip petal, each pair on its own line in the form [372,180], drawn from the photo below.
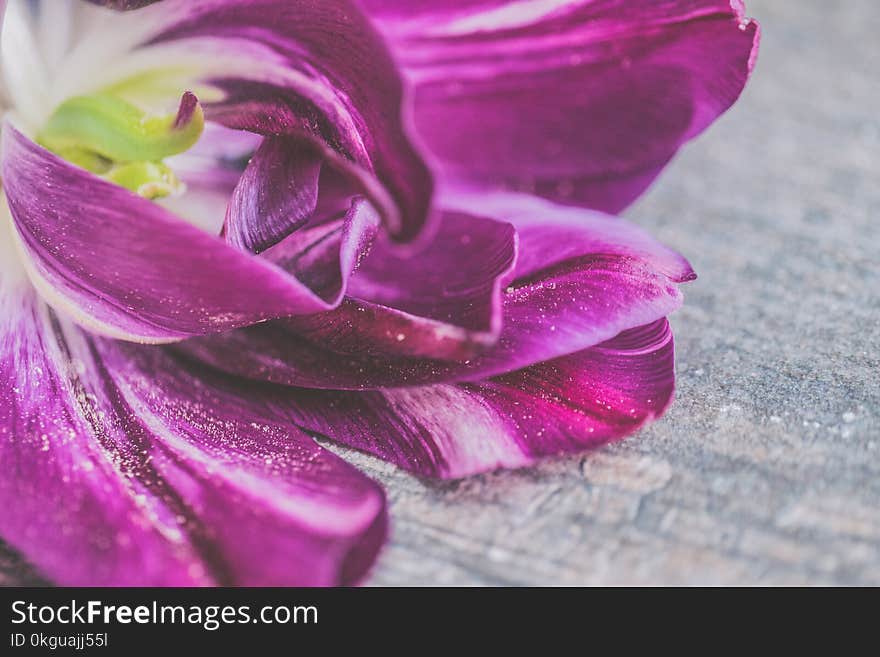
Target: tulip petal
[581,101]
[580,279]
[441,302]
[277,194]
[127,268]
[324,253]
[122,466]
[561,406]
[456,280]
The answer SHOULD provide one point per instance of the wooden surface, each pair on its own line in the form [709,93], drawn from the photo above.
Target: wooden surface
[767,469]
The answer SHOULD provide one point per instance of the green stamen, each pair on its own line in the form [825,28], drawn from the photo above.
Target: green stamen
[112,138]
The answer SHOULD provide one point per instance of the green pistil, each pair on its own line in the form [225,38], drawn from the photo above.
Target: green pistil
[116,140]
[151,180]
[82,158]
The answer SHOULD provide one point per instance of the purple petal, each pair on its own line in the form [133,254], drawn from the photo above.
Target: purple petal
[124,467]
[457,279]
[442,302]
[323,72]
[583,102]
[277,194]
[581,278]
[557,407]
[126,267]
[324,253]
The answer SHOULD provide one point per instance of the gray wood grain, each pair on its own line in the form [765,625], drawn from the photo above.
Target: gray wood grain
[767,469]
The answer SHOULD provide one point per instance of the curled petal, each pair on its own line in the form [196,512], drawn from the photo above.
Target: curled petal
[277,194]
[581,101]
[126,267]
[324,254]
[580,279]
[124,467]
[440,302]
[457,280]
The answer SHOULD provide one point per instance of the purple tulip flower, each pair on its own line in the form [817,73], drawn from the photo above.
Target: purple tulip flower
[227,226]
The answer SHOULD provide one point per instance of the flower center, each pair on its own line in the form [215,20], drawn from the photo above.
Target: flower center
[123,144]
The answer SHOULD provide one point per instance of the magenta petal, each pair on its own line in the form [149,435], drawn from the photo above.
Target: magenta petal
[121,466]
[456,280]
[277,194]
[327,76]
[583,102]
[443,301]
[126,267]
[323,254]
[581,278]
[561,406]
